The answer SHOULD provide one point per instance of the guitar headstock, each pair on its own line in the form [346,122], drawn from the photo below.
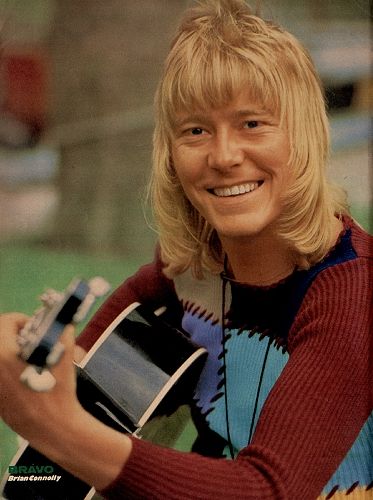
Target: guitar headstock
[39,339]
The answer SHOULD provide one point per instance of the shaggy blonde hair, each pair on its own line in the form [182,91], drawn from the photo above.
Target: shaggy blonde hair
[220,48]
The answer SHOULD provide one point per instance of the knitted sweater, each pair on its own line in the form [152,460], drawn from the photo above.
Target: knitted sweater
[288,386]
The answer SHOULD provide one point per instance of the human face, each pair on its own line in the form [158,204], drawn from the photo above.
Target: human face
[232,163]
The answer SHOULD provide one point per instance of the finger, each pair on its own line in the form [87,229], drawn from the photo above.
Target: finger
[79,353]
[68,340]
[10,325]
[65,364]
[12,322]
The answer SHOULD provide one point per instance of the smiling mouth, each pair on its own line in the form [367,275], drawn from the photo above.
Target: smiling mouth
[237,190]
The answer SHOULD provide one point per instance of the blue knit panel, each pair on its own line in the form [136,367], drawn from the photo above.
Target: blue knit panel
[244,362]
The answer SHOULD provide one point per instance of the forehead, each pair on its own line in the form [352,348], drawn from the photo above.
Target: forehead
[243,94]
[241,105]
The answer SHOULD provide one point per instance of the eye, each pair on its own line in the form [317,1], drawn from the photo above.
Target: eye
[196,131]
[252,124]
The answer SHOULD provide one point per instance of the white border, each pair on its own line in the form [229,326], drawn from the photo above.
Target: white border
[168,385]
[106,333]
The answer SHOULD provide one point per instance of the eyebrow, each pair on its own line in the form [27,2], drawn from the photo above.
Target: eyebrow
[251,112]
[180,122]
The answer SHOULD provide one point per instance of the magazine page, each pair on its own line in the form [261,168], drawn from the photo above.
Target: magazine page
[78,82]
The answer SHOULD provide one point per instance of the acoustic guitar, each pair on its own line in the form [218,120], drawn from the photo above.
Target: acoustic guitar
[139,370]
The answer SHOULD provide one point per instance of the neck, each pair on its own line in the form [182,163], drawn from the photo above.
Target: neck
[261,261]
[265,259]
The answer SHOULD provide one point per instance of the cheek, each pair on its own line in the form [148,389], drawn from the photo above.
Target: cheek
[188,180]
[182,176]
[185,179]
[189,190]
[279,159]
[186,169]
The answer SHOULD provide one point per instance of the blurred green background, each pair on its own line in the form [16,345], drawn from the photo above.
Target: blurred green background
[76,90]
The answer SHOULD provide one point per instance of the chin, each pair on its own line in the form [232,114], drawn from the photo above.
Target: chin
[239,233]
[246,231]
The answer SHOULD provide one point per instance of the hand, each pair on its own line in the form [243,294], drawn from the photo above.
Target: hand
[54,422]
[25,411]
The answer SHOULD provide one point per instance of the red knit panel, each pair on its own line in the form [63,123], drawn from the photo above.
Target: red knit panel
[362,242]
[175,475]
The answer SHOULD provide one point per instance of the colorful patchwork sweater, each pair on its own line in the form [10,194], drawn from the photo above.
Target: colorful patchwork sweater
[289,388]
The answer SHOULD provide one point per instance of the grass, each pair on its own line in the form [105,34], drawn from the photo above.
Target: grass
[364,215]
[26,271]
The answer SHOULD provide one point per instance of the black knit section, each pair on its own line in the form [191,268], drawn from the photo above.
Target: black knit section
[271,310]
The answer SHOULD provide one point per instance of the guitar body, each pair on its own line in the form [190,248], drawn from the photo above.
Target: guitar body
[140,370]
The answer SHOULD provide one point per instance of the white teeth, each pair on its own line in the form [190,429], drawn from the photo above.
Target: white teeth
[235,190]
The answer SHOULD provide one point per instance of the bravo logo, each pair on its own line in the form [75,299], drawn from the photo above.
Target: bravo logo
[30,469]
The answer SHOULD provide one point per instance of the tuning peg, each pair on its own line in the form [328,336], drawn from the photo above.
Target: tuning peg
[97,288]
[51,297]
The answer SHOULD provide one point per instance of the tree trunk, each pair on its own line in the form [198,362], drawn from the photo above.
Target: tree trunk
[107,58]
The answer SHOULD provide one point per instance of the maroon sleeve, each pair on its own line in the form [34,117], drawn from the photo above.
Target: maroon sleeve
[309,421]
[149,286]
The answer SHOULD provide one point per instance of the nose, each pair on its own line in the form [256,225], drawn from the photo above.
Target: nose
[226,152]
